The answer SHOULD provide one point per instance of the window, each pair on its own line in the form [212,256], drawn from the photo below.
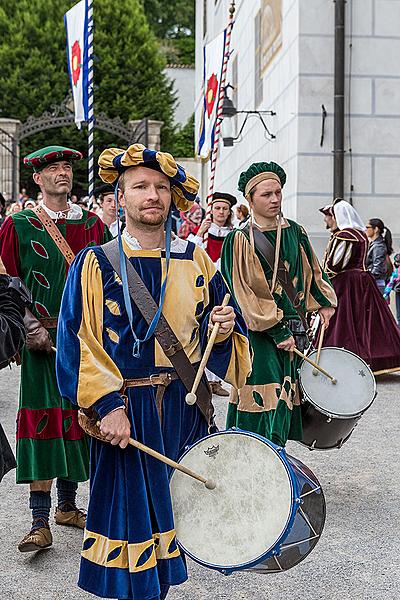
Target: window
[258,79]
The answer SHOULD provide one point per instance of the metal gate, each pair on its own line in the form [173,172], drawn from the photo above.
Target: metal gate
[59,116]
[8,165]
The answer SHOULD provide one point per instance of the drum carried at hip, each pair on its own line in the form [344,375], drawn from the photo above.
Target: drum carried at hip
[331,412]
[266,512]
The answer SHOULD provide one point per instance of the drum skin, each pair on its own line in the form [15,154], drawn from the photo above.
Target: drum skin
[262,499]
[321,432]
[330,412]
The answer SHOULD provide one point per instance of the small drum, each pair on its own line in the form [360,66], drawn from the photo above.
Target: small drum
[331,412]
[266,512]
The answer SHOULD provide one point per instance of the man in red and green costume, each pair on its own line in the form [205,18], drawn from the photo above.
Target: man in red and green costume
[269,403]
[50,443]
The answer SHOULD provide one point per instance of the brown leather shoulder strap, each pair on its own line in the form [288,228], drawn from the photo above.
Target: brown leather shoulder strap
[55,234]
[267,251]
[163,332]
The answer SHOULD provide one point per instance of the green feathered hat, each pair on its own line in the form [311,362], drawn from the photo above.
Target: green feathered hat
[257,172]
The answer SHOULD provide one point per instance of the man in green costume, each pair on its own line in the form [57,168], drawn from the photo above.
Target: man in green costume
[269,403]
[50,443]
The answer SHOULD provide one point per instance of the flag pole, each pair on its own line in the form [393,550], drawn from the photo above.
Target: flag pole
[91,119]
[214,153]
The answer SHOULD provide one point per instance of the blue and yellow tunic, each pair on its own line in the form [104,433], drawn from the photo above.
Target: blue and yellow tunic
[129,545]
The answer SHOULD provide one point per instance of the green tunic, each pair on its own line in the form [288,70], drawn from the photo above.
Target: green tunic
[269,403]
[50,442]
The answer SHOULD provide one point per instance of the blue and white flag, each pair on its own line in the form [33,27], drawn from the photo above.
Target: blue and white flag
[76,25]
[214,55]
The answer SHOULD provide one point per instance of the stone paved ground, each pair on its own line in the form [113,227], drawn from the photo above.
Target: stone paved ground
[356,559]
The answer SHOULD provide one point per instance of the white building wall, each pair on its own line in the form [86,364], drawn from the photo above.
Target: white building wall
[372,123]
[297,82]
[183,78]
[280,91]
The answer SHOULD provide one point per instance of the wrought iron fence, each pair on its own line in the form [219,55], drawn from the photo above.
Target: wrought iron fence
[59,116]
[9,173]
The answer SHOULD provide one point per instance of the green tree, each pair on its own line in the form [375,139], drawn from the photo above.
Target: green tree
[183,142]
[173,23]
[172,18]
[129,68]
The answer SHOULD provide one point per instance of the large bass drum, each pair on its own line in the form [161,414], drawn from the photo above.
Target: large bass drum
[266,512]
[330,412]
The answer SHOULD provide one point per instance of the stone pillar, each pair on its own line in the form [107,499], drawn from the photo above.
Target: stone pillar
[138,133]
[154,133]
[9,158]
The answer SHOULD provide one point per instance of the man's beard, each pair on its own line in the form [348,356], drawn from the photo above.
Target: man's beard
[149,221]
[152,222]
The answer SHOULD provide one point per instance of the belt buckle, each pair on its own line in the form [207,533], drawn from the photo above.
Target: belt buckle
[163,379]
[151,379]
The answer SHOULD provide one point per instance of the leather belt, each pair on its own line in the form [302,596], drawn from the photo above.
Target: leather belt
[49,322]
[159,380]
[156,379]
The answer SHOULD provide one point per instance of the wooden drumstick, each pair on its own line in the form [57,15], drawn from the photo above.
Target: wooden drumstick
[320,342]
[209,483]
[54,349]
[315,365]
[191,396]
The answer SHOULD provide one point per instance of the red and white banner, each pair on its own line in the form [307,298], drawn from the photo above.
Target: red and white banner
[76,25]
[214,56]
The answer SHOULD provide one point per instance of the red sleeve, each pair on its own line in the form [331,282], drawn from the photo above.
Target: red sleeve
[9,251]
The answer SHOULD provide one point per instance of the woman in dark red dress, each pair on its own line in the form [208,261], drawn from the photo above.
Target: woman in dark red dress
[362,323]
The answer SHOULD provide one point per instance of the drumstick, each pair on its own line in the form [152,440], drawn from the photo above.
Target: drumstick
[387,371]
[54,349]
[320,342]
[209,483]
[314,364]
[191,396]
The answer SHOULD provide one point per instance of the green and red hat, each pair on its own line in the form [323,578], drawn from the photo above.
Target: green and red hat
[50,154]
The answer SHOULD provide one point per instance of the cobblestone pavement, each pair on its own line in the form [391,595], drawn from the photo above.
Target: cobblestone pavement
[357,557]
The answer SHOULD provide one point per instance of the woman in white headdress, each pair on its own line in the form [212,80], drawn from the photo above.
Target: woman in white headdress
[362,323]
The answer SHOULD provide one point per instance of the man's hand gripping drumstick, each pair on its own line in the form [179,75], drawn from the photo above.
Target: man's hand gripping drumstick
[116,429]
[289,344]
[222,320]
[115,426]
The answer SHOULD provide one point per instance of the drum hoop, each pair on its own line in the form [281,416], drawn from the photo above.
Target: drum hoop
[331,414]
[289,522]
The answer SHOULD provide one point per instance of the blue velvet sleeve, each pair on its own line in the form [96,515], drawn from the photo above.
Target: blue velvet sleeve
[86,374]
[230,358]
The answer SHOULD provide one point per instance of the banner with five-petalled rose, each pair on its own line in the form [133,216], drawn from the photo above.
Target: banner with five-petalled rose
[214,55]
[76,25]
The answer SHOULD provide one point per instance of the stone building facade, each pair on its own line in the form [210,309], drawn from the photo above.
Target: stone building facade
[283,60]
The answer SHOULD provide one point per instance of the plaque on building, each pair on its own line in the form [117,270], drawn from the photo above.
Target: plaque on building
[271,30]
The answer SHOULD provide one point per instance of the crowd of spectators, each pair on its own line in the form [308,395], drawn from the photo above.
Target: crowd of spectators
[379,262]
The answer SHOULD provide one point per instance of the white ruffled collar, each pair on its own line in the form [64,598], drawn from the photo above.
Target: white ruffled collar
[75,212]
[178,245]
[219,231]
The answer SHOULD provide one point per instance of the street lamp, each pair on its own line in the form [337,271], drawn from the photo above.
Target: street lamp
[229,110]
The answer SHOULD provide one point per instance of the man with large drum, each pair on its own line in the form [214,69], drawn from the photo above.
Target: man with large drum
[127,351]
[276,279]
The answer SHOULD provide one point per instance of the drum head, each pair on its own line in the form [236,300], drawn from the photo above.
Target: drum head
[354,391]
[248,512]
